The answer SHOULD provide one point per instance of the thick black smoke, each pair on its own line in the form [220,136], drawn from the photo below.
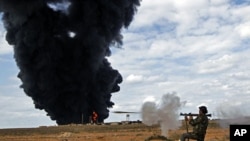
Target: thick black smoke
[60,48]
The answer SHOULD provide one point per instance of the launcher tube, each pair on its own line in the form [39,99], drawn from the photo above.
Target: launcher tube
[192,114]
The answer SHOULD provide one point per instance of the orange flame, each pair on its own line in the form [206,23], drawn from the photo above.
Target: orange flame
[94,117]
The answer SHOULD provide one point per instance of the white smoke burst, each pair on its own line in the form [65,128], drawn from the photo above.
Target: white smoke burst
[165,113]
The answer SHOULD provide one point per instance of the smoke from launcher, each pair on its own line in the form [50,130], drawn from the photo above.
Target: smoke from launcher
[164,113]
[60,47]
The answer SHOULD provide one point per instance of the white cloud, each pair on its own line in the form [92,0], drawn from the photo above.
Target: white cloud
[5,48]
[149,13]
[149,99]
[163,47]
[134,78]
[216,65]
[244,30]
[18,110]
[218,2]
[241,75]
[197,49]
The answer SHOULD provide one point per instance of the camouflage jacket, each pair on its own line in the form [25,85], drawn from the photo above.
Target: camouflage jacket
[199,124]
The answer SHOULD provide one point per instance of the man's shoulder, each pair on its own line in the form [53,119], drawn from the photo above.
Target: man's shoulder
[203,117]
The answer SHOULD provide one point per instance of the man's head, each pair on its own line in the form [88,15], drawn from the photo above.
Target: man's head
[203,109]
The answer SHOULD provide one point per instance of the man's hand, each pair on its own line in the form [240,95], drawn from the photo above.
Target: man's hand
[186,118]
[190,118]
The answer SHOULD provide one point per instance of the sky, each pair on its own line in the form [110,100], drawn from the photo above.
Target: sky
[197,49]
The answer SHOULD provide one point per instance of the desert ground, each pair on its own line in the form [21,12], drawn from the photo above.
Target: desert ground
[122,131]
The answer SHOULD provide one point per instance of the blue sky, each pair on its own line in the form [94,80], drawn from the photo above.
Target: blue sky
[199,50]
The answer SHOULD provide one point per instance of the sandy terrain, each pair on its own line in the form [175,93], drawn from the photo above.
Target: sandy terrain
[112,132]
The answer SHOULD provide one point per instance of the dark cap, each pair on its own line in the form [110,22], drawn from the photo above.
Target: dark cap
[203,109]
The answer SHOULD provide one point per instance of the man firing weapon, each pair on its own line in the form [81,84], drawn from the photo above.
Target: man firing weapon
[199,124]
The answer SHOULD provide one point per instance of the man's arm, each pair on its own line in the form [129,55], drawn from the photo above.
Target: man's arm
[195,121]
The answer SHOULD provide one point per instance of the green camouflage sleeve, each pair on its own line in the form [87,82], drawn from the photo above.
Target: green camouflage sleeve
[196,121]
[199,124]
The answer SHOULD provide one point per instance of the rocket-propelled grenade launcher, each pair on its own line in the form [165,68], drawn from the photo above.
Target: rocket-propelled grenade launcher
[192,114]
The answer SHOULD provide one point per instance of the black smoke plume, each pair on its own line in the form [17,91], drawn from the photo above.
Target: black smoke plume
[60,47]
